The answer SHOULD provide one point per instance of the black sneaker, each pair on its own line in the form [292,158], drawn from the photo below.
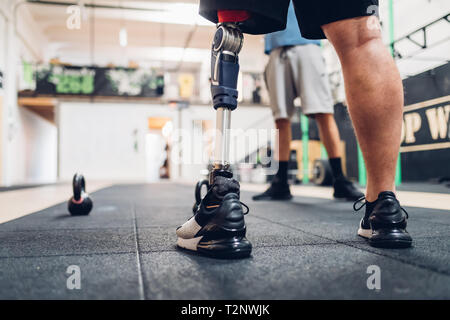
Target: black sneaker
[218,228]
[385,225]
[277,191]
[345,189]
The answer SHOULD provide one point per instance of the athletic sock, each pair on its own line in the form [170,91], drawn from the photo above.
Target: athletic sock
[369,207]
[282,174]
[336,167]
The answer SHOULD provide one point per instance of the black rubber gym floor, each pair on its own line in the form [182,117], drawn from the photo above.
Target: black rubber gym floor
[304,249]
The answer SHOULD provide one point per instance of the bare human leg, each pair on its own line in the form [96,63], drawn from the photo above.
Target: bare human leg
[375,97]
[329,134]
[284,138]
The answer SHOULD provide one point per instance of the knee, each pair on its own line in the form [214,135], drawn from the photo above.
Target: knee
[356,33]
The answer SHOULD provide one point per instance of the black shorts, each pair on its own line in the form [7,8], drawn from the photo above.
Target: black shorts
[270,15]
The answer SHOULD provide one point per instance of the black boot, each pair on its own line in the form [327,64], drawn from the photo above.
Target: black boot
[218,228]
[345,189]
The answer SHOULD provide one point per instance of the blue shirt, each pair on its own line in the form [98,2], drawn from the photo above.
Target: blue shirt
[290,36]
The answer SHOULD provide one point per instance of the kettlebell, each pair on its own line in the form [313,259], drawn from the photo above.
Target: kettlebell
[80,204]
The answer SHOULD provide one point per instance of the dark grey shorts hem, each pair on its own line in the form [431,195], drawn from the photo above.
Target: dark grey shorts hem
[270,15]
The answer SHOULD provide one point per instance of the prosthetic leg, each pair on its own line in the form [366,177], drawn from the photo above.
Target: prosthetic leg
[218,228]
[226,46]
[224,75]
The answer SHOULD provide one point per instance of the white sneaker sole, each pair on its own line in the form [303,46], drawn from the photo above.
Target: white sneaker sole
[189,244]
[365,233]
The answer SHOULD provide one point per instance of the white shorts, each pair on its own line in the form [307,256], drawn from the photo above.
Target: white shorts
[298,71]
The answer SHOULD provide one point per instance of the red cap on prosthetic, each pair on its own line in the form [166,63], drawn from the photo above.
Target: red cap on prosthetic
[232,15]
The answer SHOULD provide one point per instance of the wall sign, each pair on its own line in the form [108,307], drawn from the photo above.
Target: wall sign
[425,148]
[426,126]
[94,81]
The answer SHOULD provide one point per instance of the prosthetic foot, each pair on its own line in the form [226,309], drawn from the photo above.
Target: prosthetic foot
[217,228]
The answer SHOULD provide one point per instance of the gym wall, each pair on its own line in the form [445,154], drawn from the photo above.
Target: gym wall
[98,139]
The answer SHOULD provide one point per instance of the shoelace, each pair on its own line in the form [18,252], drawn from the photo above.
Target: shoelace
[358,201]
[243,204]
[246,207]
[365,202]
